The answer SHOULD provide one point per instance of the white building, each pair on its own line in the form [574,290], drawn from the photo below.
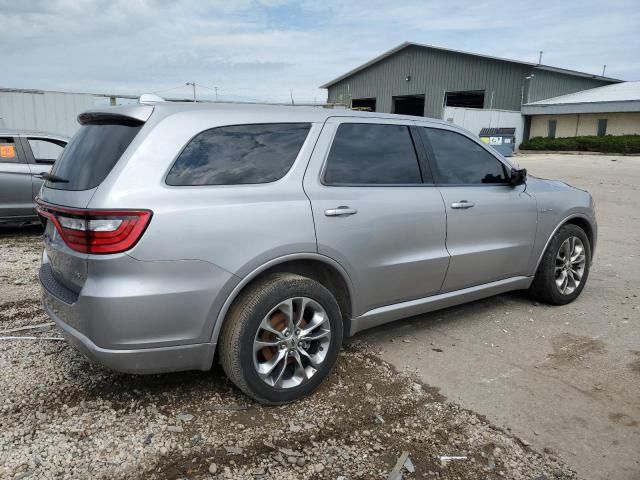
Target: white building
[48,111]
[610,110]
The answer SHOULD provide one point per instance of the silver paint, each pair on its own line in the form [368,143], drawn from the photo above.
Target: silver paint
[400,250]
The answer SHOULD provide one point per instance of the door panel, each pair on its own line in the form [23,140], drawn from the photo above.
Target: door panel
[41,153]
[491,225]
[491,240]
[391,241]
[15,181]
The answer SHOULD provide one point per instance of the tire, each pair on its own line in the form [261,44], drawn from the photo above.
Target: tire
[257,315]
[545,287]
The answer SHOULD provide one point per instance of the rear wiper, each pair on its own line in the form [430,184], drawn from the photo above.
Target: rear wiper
[52,178]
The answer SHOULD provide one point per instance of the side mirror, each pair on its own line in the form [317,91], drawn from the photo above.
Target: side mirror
[517,176]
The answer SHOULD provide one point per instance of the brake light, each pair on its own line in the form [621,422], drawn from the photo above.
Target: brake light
[96,231]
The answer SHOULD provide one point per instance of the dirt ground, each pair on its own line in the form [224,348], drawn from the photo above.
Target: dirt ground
[563,378]
[546,382]
[62,417]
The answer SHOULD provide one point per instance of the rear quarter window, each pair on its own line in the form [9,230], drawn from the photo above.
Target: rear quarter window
[92,153]
[239,154]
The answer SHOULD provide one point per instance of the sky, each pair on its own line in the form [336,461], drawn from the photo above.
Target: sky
[272,50]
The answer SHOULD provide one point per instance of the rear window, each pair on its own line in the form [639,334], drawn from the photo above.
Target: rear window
[371,154]
[239,154]
[92,154]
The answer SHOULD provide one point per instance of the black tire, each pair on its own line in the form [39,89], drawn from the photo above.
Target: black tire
[544,286]
[243,320]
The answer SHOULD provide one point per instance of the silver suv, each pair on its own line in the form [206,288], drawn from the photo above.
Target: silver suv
[267,234]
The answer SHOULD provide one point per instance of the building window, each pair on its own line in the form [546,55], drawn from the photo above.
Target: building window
[602,127]
[409,105]
[465,99]
[364,104]
[552,128]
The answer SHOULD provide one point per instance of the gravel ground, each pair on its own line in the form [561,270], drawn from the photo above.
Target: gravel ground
[63,417]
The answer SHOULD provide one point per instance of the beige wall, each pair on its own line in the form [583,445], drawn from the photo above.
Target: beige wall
[586,124]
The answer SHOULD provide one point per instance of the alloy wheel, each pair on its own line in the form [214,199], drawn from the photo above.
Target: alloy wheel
[570,265]
[291,343]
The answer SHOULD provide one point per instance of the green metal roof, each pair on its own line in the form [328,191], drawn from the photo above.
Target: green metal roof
[404,45]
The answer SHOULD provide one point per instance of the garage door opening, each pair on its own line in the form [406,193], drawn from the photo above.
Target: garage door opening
[409,105]
[364,104]
[466,99]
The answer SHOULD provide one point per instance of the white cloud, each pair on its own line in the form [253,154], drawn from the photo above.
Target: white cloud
[262,48]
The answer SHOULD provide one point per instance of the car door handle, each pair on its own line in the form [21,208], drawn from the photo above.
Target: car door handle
[340,211]
[462,204]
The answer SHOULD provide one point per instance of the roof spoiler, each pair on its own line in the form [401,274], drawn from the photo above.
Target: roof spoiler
[150,98]
[137,114]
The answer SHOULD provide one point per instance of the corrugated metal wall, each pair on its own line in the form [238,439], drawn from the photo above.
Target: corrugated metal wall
[51,112]
[433,71]
[546,84]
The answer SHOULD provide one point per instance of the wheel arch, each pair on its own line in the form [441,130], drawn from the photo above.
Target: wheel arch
[585,225]
[320,268]
[579,220]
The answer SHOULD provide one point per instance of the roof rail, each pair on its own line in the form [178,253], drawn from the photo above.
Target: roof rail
[150,98]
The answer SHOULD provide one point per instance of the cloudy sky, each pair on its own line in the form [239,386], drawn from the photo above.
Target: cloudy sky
[263,49]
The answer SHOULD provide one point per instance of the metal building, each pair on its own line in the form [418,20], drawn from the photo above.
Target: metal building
[48,111]
[422,80]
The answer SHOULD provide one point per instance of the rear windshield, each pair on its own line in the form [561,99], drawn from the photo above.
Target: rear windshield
[91,154]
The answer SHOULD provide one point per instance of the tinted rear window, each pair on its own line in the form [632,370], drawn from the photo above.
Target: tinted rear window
[239,154]
[370,154]
[91,154]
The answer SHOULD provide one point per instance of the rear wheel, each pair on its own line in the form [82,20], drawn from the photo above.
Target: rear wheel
[564,268]
[281,338]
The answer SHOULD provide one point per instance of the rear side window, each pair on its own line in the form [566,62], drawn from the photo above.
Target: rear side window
[8,151]
[370,154]
[239,154]
[459,160]
[91,154]
[44,150]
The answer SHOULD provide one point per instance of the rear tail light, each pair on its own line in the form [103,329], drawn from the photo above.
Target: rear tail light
[96,231]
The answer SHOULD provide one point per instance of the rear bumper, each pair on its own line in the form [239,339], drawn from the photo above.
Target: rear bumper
[141,317]
[138,361]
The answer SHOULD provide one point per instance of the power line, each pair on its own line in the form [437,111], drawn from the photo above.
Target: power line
[168,89]
[216,89]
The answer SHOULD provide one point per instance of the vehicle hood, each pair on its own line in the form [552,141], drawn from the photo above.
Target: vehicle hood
[546,184]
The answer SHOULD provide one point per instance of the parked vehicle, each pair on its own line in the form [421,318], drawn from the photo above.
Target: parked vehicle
[24,156]
[269,233]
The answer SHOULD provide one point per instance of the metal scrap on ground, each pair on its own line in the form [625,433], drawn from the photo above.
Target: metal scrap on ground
[32,338]
[395,473]
[27,327]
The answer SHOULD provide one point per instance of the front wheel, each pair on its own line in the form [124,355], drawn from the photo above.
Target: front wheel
[281,338]
[564,268]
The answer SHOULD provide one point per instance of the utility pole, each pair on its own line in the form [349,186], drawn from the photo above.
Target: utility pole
[540,58]
[216,89]
[604,67]
[291,93]
[193,84]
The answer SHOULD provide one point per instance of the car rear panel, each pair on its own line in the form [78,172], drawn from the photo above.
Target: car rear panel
[81,158]
[127,303]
